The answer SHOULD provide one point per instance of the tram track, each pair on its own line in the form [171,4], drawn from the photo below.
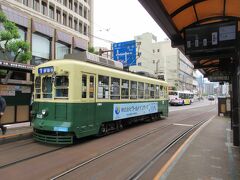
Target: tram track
[25,144]
[30,157]
[142,170]
[155,130]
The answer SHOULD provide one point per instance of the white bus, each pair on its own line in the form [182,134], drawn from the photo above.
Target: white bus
[180,97]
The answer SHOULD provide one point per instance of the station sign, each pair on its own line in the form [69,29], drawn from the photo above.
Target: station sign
[218,78]
[16,66]
[211,38]
[125,52]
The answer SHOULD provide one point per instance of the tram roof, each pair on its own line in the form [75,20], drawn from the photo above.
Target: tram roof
[174,16]
[93,67]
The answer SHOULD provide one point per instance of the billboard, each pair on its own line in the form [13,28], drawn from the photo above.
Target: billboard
[125,52]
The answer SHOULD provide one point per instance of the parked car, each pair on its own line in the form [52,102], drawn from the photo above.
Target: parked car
[211,98]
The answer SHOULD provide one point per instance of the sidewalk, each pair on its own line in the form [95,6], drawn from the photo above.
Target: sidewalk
[209,154]
[16,132]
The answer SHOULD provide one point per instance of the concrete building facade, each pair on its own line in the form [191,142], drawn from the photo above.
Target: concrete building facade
[169,63]
[52,27]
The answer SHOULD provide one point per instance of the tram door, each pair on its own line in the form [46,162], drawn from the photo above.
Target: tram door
[89,99]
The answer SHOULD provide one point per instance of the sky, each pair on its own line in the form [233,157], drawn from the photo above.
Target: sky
[121,20]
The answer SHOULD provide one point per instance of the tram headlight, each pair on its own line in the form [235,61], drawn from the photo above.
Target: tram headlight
[44,112]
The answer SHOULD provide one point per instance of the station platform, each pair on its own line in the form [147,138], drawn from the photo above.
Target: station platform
[206,154]
[16,132]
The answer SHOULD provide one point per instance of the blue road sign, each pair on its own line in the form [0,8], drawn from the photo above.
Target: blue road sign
[125,52]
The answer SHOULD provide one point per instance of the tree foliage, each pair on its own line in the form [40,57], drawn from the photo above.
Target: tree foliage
[10,44]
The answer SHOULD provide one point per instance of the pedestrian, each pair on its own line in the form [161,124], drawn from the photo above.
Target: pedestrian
[2,109]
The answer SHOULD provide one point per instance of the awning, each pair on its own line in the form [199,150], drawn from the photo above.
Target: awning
[174,16]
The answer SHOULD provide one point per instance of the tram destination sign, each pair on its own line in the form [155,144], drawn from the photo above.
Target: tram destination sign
[211,38]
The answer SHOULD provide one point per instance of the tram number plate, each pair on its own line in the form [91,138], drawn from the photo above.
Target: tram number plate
[40,116]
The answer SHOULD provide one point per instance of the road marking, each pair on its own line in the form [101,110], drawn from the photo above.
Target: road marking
[216,167]
[172,161]
[188,125]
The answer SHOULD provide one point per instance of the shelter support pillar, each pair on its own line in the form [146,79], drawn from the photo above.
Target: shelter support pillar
[235,105]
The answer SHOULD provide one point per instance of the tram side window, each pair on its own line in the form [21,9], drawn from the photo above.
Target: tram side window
[161,91]
[125,89]
[157,92]
[140,90]
[133,90]
[103,87]
[115,88]
[61,86]
[147,91]
[38,87]
[152,89]
[47,87]
[91,87]
[84,86]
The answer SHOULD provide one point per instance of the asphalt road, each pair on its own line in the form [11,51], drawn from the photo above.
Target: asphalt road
[116,156]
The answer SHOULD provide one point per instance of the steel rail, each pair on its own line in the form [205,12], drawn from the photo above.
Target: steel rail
[118,147]
[30,157]
[146,166]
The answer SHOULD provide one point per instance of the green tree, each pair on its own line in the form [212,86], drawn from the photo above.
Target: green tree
[11,48]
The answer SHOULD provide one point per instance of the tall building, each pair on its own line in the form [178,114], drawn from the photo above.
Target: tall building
[169,63]
[52,27]
[209,88]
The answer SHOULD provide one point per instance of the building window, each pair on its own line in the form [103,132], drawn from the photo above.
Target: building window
[139,64]
[25,2]
[80,9]
[85,13]
[44,8]
[58,16]
[36,5]
[75,7]
[153,51]
[22,34]
[65,3]
[85,29]
[75,24]
[158,50]
[70,22]
[80,27]
[61,50]
[70,4]
[40,49]
[64,19]
[51,12]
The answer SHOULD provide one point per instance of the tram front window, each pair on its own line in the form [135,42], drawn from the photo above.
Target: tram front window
[47,87]
[61,86]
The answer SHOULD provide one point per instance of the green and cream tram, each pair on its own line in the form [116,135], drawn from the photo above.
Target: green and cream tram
[78,98]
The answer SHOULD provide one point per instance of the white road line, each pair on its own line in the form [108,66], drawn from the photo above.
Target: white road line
[188,125]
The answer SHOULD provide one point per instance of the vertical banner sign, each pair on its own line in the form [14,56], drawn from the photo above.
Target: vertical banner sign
[125,52]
